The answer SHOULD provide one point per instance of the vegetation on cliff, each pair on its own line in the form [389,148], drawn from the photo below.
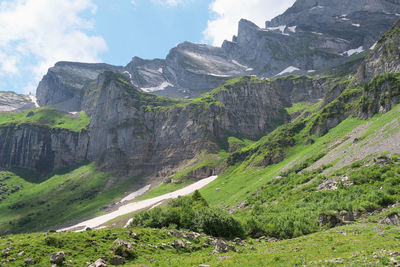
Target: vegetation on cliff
[47,117]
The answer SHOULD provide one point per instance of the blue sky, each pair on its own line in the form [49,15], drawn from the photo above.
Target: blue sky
[35,34]
[147,29]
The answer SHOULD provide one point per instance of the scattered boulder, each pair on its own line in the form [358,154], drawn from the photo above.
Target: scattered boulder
[123,248]
[29,261]
[6,251]
[273,239]
[193,235]
[134,235]
[204,265]
[117,260]
[220,246]
[99,263]
[391,219]
[330,219]
[346,216]
[178,244]
[57,257]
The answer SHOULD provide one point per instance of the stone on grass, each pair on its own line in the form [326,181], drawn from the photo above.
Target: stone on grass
[178,244]
[117,260]
[57,257]
[29,261]
[123,248]
[99,263]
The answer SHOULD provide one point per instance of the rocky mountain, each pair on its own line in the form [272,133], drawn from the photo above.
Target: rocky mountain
[64,84]
[309,36]
[133,130]
[295,154]
[10,101]
[384,58]
[130,129]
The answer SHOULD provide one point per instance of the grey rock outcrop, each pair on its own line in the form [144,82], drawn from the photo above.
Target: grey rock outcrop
[131,128]
[40,148]
[63,84]
[384,58]
[13,102]
[392,219]
[57,257]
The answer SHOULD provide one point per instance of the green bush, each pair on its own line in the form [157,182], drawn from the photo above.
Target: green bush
[192,213]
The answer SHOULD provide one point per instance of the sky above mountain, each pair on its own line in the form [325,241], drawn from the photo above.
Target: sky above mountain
[35,34]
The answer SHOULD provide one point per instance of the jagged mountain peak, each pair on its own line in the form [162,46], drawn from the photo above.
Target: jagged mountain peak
[309,36]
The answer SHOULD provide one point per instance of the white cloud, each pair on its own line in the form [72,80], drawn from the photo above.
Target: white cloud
[171,3]
[227,14]
[35,34]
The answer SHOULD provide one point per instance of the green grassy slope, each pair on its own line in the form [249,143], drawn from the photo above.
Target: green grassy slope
[48,117]
[65,196]
[347,245]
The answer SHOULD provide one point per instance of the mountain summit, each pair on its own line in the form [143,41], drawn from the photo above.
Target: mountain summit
[309,36]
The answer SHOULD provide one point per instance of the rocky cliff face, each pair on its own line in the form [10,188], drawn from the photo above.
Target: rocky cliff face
[39,148]
[132,129]
[384,58]
[311,35]
[63,84]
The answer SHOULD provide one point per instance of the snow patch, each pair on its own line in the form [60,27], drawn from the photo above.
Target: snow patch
[240,65]
[279,28]
[135,206]
[158,88]
[73,112]
[353,51]
[34,100]
[373,46]
[292,29]
[130,75]
[219,75]
[345,19]
[356,24]
[243,66]
[317,33]
[309,71]
[136,194]
[128,222]
[160,70]
[316,7]
[288,70]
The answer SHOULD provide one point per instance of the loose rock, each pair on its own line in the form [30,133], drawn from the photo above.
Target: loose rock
[178,244]
[57,257]
[117,260]
[99,263]
[29,261]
